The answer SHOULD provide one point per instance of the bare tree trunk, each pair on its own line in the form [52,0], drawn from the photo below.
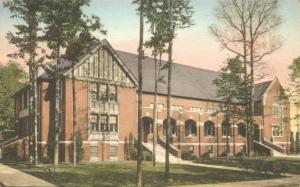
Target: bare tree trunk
[57,112]
[74,117]
[35,114]
[140,99]
[168,132]
[155,116]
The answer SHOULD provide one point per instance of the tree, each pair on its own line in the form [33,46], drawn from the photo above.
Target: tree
[63,21]
[295,95]
[26,40]
[230,88]
[12,79]
[179,16]
[292,149]
[157,43]
[141,12]
[247,28]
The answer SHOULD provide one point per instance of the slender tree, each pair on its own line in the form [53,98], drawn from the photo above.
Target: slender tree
[139,181]
[295,96]
[26,39]
[247,28]
[63,20]
[157,43]
[179,16]
[230,89]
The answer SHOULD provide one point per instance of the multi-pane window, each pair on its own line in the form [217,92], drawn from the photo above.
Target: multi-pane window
[277,130]
[209,129]
[113,93]
[94,151]
[226,130]
[104,123]
[94,123]
[94,91]
[113,124]
[177,108]
[242,129]
[103,92]
[196,109]
[277,110]
[190,128]
[113,151]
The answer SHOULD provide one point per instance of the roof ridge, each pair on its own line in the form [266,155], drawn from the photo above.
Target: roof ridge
[179,64]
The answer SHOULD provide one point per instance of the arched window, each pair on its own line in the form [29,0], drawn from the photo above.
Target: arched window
[172,126]
[242,129]
[226,129]
[190,128]
[209,129]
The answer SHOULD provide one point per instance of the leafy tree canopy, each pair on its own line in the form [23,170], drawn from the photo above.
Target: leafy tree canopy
[12,79]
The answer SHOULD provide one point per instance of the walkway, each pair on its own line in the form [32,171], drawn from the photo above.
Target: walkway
[291,181]
[288,181]
[13,177]
[184,162]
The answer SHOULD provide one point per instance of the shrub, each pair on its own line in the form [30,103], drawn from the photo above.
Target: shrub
[79,148]
[147,155]
[188,156]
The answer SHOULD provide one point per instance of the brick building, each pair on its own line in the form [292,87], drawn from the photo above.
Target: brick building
[106,108]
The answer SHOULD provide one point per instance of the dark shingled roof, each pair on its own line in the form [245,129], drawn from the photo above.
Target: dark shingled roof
[187,81]
[260,89]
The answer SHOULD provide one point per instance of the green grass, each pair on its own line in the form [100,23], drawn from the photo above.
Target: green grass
[292,164]
[123,174]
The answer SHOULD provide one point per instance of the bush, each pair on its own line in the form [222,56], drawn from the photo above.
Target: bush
[147,155]
[263,166]
[188,156]
[79,148]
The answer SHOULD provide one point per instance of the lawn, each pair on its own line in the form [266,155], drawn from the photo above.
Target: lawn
[123,174]
[292,165]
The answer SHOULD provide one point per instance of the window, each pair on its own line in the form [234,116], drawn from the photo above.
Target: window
[277,110]
[195,109]
[103,92]
[113,93]
[94,151]
[94,91]
[190,128]
[113,123]
[104,123]
[226,130]
[210,149]
[172,126]
[277,130]
[113,151]
[94,123]
[177,108]
[242,129]
[210,110]
[209,129]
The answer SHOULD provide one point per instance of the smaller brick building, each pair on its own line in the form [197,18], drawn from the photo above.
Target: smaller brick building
[106,110]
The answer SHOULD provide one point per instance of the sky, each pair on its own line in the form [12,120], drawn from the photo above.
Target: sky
[194,46]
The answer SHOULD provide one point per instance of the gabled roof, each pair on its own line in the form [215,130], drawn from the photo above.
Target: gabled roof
[187,81]
[260,89]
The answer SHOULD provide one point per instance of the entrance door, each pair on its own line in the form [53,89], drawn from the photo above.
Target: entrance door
[147,125]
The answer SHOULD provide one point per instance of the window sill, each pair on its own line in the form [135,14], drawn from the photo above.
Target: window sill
[207,137]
